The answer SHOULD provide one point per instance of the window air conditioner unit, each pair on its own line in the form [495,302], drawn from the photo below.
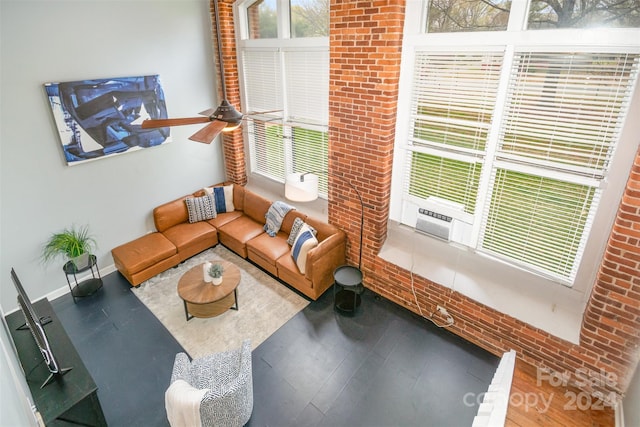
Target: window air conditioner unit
[435,219]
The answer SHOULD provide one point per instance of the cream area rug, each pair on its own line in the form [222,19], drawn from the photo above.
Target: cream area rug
[264,305]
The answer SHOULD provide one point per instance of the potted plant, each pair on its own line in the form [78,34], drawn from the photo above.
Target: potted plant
[215,271]
[74,243]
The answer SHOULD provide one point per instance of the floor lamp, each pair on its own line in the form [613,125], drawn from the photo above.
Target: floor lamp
[303,187]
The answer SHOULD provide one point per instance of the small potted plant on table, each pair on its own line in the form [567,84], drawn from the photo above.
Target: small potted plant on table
[215,271]
[75,243]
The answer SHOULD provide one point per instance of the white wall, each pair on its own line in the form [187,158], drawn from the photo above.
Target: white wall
[52,41]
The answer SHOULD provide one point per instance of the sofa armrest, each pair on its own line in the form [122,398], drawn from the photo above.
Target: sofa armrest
[181,368]
[326,257]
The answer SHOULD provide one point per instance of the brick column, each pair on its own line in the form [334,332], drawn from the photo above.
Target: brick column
[233,146]
[365,41]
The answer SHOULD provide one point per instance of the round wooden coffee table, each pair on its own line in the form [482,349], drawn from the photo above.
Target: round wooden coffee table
[203,299]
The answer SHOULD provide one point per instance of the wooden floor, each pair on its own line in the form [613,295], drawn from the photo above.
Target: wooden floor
[533,404]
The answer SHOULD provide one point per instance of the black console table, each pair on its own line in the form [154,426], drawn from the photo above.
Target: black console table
[70,399]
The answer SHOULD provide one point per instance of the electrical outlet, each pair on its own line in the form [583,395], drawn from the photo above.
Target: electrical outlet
[442,310]
[444,313]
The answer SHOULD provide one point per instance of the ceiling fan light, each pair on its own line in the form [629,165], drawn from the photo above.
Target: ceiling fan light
[231,126]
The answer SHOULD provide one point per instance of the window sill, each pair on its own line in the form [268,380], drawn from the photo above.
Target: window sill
[275,191]
[540,302]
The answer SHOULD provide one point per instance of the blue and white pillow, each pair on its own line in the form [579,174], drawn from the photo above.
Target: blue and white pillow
[201,208]
[224,198]
[305,241]
[295,229]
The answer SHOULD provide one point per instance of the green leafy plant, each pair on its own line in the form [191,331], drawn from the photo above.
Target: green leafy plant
[70,242]
[216,270]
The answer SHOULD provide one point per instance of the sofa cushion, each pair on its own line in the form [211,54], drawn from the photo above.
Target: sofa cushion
[238,197]
[187,234]
[138,254]
[169,214]
[305,241]
[267,248]
[200,208]
[289,273]
[223,196]
[223,218]
[256,207]
[323,229]
[235,234]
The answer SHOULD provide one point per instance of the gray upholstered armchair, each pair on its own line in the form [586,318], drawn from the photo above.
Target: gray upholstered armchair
[228,381]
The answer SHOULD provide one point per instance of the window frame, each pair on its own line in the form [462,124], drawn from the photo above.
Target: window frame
[282,45]
[517,36]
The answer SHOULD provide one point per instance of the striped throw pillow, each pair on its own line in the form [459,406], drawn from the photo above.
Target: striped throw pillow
[305,241]
[224,198]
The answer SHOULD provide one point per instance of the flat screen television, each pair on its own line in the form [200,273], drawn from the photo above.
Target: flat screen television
[35,324]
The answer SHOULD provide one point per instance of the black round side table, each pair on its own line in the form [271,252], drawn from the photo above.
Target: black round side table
[347,288]
[86,287]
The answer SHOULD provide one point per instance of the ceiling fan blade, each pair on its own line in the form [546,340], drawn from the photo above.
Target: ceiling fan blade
[208,112]
[161,123]
[210,131]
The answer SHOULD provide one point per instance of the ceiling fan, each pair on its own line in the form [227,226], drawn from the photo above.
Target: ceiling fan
[224,119]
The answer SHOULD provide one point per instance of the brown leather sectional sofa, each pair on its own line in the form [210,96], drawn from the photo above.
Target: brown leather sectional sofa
[242,231]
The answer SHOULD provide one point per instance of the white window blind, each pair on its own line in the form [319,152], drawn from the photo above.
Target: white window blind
[310,152]
[296,138]
[565,110]
[453,98]
[538,222]
[266,148]
[262,74]
[278,149]
[452,105]
[443,177]
[560,126]
[307,84]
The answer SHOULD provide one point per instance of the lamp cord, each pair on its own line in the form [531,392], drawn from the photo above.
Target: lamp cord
[413,289]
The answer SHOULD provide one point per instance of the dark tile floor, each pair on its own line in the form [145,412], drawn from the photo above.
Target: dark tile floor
[125,348]
[383,367]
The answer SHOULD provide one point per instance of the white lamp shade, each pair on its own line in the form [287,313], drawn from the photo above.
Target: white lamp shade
[301,191]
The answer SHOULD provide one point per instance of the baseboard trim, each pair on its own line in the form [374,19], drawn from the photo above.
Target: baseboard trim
[619,413]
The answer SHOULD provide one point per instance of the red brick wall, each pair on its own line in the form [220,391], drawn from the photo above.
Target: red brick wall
[365,40]
[232,142]
[365,49]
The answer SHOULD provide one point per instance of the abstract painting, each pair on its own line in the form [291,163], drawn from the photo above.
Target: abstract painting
[100,118]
